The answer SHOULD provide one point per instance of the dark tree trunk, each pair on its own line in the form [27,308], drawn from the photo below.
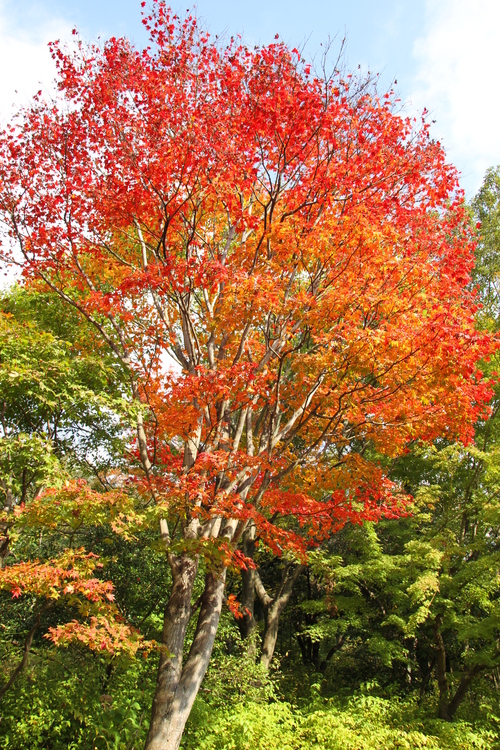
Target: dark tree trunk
[426,669]
[447,708]
[247,623]
[461,691]
[4,527]
[27,647]
[309,648]
[443,709]
[333,650]
[274,609]
[303,648]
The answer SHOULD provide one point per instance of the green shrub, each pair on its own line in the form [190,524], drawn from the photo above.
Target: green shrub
[364,722]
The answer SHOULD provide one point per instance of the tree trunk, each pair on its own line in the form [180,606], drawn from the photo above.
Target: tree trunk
[333,650]
[447,709]
[426,669]
[4,527]
[443,710]
[274,609]
[178,686]
[462,690]
[247,623]
[175,622]
[270,634]
[27,647]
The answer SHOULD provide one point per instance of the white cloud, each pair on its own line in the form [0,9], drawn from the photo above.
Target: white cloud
[25,62]
[457,80]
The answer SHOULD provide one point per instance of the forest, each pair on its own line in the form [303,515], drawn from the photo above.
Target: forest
[249,402]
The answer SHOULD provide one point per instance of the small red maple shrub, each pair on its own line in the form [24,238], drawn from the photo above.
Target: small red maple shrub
[300,251]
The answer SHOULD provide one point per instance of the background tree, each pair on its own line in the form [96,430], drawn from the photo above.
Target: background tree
[59,397]
[59,420]
[486,208]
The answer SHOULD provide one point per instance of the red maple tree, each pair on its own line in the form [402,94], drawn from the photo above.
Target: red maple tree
[300,252]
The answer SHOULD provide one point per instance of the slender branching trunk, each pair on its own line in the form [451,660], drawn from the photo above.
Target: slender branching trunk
[448,708]
[441,670]
[462,688]
[274,609]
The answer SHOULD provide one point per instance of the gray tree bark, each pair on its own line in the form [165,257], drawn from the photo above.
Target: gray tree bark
[178,685]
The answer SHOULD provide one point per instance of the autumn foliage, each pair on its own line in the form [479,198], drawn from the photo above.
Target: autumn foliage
[280,262]
[69,577]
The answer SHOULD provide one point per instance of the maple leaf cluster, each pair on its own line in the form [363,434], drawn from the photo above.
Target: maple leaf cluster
[69,578]
[68,575]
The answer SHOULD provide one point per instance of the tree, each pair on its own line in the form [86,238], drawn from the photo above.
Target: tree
[55,391]
[298,251]
[54,395]
[486,208]
[59,405]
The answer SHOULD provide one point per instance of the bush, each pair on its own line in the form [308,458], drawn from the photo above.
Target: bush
[364,722]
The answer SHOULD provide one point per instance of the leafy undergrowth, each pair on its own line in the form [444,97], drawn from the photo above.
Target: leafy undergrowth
[72,700]
[241,707]
[362,723]
[105,705]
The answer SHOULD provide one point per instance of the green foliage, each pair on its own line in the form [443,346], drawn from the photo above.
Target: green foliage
[28,461]
[380,589]
[60,398]
[486,207]
[70,699]
[363,722]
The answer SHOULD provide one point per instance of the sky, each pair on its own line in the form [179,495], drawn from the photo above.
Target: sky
[444,54]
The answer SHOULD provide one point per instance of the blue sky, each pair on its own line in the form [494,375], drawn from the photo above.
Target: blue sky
[444,53]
